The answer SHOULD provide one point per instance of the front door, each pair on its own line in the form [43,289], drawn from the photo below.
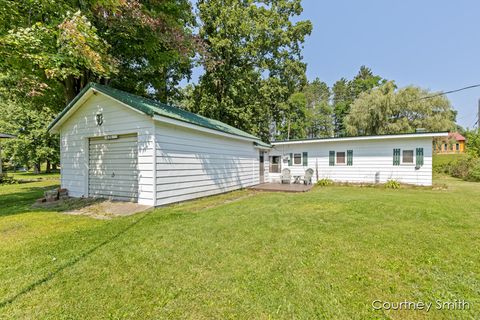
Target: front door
[262,165]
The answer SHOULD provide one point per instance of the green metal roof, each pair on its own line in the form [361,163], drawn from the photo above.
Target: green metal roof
[151,108]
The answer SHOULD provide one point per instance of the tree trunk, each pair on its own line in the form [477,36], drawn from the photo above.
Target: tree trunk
[72,86]
[69,86]
[49,167]
[36,168]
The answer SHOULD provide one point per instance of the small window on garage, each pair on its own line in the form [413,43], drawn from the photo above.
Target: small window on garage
[407,156]
[297,158]
[341,157]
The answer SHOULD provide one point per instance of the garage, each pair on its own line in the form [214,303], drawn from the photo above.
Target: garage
[113,171]
[116,145]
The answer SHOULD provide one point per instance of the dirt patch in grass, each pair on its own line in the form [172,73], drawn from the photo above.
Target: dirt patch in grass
[108,209]
[95,208]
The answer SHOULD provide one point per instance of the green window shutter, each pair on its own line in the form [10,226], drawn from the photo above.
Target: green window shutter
[419,157]
[396,157]
[349,157]
[305,159]
[290,159]
[331,159]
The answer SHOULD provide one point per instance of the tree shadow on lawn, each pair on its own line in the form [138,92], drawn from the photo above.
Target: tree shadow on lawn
[23,201]
[67,265]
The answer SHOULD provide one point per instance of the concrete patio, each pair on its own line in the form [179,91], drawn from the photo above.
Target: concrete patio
[279,187]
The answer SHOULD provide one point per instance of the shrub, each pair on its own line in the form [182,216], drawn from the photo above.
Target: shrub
[324,182]
[474,172]
[466,169]
[392,184]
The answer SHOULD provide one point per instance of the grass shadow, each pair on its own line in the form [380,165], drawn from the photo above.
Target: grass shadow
[68,264]
[22,200]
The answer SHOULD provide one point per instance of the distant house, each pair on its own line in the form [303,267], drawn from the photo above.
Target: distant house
[117,145]
[453,143]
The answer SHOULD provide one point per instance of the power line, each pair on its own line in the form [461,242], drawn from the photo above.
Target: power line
[445,92]
[422,98]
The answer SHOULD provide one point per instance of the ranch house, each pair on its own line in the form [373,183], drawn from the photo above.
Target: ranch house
[121,146]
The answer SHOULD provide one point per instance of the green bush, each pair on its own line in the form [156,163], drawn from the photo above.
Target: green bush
[392,184]
[443,162]
[324,182]
[466,168]
[474,172]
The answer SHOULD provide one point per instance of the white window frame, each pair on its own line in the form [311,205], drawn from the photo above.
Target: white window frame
[407,163]
[301,159]
[344,158]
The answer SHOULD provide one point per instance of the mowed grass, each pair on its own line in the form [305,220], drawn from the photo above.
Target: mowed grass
[324,254]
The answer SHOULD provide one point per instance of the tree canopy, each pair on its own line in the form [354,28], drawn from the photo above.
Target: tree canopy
[251,53]
[386,110]
[252,61]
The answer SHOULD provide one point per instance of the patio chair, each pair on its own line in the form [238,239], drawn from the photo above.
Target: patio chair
[286,176]
[308,176]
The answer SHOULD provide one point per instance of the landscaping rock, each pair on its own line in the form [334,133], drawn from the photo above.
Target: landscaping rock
[51,195]
[62,193]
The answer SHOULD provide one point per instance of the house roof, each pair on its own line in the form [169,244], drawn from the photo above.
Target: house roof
[457,136]
[6,136]
[371,137]
[152,108]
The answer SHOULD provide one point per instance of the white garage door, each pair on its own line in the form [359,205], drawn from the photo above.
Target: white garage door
[113,171]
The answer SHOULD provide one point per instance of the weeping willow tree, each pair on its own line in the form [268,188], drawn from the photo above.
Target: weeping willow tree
[388,110]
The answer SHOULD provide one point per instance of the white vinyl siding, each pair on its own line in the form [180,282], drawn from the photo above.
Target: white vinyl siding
[373,160]
[192,164]
[117,119]
[113,170]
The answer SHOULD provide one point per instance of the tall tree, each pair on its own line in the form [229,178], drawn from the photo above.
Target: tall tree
[32,145]
[319,111]
[147,45]
[345,92]
[385,110]
[251,45]
[52,49]
[341,104]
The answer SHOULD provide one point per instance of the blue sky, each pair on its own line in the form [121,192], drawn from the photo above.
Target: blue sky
[432,44]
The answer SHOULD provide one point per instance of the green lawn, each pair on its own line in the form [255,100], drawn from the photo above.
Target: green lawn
[28,176]
[326,254]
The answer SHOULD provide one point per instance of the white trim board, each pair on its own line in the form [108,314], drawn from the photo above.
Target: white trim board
[380,137]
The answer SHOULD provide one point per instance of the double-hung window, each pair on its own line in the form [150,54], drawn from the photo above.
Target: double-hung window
[407,156]
[341,158]
[297,159]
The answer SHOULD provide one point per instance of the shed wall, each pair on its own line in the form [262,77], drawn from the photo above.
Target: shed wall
[192,164]
[117,119]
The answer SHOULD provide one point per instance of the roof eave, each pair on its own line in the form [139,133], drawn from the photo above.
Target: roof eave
[73,106]
[360,138]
